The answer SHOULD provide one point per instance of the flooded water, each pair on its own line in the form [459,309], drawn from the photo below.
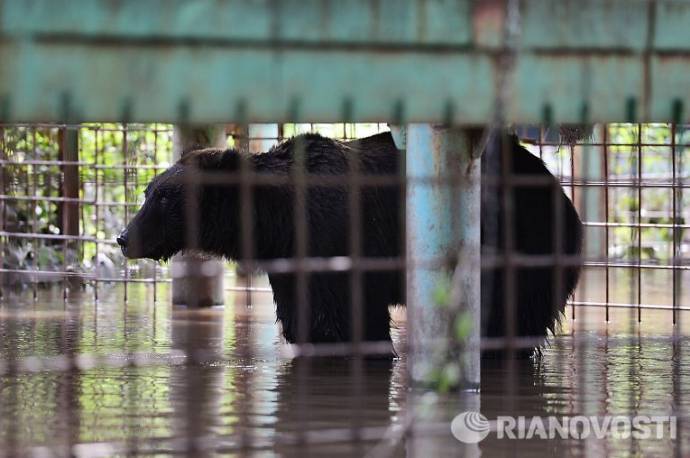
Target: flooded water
[131,390]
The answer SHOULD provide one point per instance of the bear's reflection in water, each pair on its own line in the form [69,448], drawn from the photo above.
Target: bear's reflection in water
[257,399]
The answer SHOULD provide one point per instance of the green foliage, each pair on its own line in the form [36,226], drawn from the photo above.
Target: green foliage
[463,326]
[115,164]
[442,291]
[446,374]
[644,154]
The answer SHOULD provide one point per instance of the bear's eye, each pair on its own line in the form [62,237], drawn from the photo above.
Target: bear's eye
[164,201]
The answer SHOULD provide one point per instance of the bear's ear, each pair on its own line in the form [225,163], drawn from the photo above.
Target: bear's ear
[211,159]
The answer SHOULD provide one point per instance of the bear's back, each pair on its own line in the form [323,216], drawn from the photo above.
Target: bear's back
[325,156]
[328,212]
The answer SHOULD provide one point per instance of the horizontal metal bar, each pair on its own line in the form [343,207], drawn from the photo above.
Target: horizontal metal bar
[253,289]
[568,24]
[634,264]
[623,183]
[636,225]
[36,235]
[160,166]
[82,275]
[623,305]
[46,199]
[93,127]
[315,21]
[612,151]
[57,273]
[343,264]
[110,83]
[5,162]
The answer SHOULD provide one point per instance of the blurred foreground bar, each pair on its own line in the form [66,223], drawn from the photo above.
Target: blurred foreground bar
[266,60]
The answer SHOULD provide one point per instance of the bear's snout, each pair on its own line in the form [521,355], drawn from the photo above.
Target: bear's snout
[122,240]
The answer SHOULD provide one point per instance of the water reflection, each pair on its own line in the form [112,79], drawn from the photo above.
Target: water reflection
[235,392]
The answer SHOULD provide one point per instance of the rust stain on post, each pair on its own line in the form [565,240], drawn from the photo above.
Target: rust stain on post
[488,19]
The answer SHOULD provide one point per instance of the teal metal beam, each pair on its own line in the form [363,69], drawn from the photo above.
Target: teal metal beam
[311,60]
[268,21]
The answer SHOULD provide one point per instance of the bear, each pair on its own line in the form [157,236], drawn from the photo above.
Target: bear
[159,231]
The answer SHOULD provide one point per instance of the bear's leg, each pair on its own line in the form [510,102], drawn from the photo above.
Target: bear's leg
[328,298]
[329,306]
[536,312]
[284,296]
[381,289]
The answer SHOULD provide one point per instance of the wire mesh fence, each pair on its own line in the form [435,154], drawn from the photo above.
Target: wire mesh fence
[632,195]
[67,191]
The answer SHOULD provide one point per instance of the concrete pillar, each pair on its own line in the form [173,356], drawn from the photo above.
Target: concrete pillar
[197,281]
[253,138]
[262,137]
[443,222]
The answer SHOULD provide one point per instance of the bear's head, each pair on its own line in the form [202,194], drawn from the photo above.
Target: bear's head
[191,190]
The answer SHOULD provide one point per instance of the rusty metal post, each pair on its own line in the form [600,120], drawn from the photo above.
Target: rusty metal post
[68,139]
[443,224]
[197,281]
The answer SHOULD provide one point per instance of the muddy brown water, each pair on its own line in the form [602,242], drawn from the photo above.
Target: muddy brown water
[247,397]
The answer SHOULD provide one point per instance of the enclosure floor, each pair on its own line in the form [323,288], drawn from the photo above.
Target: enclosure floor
[245,396]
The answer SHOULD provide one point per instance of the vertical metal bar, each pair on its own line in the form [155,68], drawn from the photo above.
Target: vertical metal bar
[258,138]
[133,171]
[356,296]
[3,208]
[156,161]
[639,222]
[34,217]
[301,246]
[509,269]
[541,142]
[674,225]
[589,169]
[69,153]
[126,199]
[605,135]
[558,234]
[304,322]
[81,205]
[97,214]
[677,329]
[355,207]
[572,175]
[248,256]
[192,266]
[442,220]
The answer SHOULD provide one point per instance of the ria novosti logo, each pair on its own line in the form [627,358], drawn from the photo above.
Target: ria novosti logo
[473,427]
[470,427]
